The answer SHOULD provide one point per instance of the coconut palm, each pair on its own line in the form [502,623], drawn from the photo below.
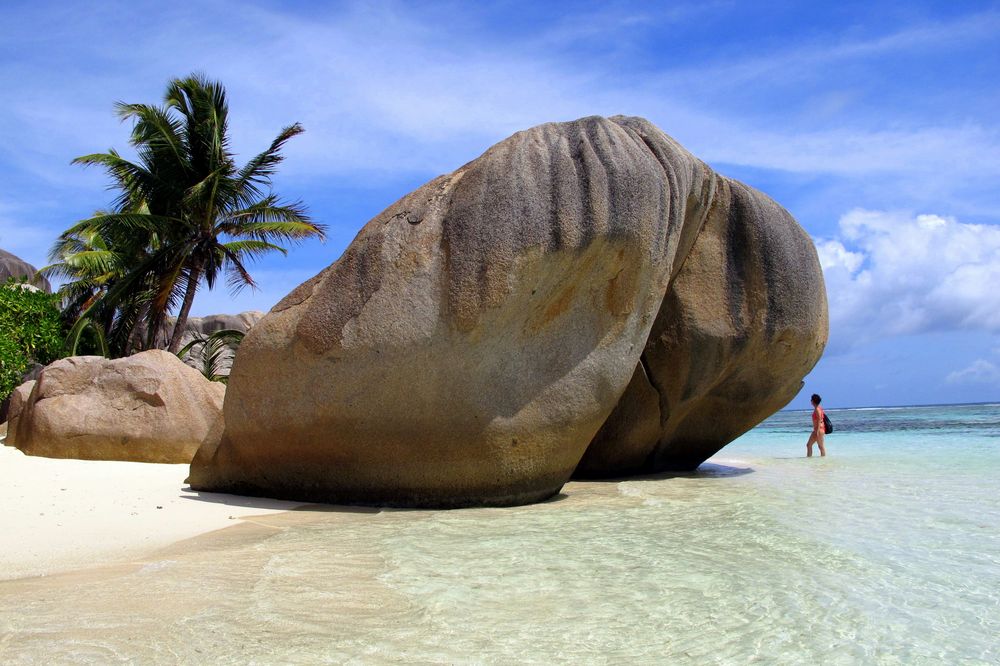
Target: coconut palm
[92,261]
[88,263]
[208,216]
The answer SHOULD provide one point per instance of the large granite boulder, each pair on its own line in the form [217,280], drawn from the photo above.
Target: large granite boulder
[13,266]
[478,333]
[149,407]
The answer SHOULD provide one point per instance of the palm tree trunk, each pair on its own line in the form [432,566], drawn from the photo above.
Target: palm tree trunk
[147,338]
[182,316]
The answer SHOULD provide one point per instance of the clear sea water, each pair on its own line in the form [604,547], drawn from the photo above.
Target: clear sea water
[885,552]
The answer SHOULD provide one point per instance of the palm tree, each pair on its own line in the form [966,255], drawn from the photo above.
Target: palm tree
[89,264]
[93,260]
[201,214]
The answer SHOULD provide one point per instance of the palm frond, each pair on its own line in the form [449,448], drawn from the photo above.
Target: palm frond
[269,219]
[217,352]
[82,325]
[154,127]
[258,171]
[128,222]
[135,180]
[253,249]
[237,275]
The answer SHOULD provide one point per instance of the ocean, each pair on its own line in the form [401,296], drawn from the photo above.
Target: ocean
[887,551]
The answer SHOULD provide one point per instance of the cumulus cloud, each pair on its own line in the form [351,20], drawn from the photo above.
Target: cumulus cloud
[893,274]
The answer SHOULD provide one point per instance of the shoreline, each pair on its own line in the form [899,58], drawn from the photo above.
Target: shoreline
[68,516]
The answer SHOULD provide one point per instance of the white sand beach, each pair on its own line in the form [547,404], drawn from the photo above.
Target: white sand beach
[61,515]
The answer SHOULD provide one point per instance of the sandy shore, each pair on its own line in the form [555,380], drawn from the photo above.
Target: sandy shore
[60,515]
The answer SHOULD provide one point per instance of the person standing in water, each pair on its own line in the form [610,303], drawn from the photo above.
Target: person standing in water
[819,429]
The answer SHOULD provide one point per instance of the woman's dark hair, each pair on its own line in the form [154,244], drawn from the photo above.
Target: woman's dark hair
[816,399]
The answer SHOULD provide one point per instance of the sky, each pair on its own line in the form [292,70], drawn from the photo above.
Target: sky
[874,123]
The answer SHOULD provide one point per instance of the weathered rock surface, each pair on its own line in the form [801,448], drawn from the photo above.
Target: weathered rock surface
[742,323]
[18,398]
[14,266]
[149,407]
[477,334]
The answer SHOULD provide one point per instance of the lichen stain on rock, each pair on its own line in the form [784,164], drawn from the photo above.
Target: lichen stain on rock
[619,296]
[558,305]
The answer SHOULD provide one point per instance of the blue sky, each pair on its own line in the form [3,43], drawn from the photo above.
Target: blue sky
[874,123]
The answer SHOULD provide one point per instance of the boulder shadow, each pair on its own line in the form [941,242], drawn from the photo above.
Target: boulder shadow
[707,470]
[241,500]
[253,502]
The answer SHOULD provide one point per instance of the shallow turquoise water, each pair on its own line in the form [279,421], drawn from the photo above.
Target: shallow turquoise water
[887,551]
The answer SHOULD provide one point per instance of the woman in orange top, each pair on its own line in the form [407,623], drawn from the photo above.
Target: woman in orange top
[819,429]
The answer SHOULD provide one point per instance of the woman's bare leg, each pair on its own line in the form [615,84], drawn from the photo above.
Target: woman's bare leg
[820,439]
[809,445]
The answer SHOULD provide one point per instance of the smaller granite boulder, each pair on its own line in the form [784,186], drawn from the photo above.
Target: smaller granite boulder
[149,407]
[209,324]
[18,399]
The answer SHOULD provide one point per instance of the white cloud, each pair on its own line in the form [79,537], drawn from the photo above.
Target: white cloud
[834,256]
[898,274]
[387,88]
[980,371]
[923,153]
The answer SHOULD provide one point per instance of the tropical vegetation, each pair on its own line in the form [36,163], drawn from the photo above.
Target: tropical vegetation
[185,215]
[31,331]
[214,353]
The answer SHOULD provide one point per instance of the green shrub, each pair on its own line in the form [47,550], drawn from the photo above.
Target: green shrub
[31,331]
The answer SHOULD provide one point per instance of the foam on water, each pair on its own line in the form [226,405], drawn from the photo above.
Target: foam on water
[887,551]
